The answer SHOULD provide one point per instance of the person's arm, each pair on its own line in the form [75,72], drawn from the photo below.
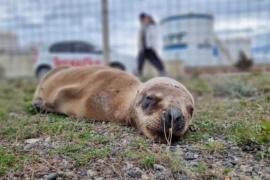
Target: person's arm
[151,37]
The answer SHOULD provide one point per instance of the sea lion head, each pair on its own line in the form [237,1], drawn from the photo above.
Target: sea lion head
[164,109]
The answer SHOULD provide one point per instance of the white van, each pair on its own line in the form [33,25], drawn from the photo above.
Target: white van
[76,53]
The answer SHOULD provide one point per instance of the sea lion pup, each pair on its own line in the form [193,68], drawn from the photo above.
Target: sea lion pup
[161,108]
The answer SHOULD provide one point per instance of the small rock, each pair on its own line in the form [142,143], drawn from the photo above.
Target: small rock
[179,152]
[27,146]
[48,147]
[210,139]
[248,173]
[128,165]
[138,171]
[132,174]
[41,174]
[227,178]
[42,153]
[69,174]
[234,162]
[100,161]
[188,158]
[64,163]
[158,167]
[145,177]
[91,173]
[196,155]
[48,139]
[31,141]
[243,177]
[195,163]
[52,176]
[267,169]
[83,173]
[243,168]
[228,164]
[99,178]
[61,173]
[10,175]
[234,148]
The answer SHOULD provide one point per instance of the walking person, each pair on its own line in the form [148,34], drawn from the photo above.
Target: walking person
[147,45]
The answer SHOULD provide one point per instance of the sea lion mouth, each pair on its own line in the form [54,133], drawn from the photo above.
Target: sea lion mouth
[162,135]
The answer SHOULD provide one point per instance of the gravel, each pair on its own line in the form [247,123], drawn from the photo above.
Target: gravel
[231,162]
[52,176]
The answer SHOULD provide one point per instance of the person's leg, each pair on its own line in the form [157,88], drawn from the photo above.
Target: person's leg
[155,60]
[141,59]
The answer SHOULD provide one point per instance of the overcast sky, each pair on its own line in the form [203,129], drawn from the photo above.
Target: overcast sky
[51,20]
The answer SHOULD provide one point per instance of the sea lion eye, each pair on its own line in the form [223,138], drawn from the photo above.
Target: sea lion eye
[147,101]
[190,110]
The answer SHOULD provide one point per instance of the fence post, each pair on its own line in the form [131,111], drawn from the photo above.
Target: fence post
[105,31]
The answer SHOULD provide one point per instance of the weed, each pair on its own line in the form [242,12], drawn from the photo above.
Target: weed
[148,160]
[200,169]
[8,160]
[81,158]
[137,142]
[234,88]
[213,146]
[227,170]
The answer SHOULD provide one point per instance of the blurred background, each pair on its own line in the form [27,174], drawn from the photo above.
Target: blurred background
[194,36]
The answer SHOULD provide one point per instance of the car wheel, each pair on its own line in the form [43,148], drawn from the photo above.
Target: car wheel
[42,71]
[118,66]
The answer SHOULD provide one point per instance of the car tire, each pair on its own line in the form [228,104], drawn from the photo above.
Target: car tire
[118,65]
[42,71]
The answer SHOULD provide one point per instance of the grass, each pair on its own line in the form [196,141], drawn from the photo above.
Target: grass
[8,160]
[234,107]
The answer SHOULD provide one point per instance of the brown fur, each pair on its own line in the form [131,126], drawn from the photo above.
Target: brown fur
[108,94]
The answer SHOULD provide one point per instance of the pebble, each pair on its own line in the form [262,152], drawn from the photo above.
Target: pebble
[196,155]
[91,173]
[48,139]
[188,158]
[83,173]
[31,141]
[52,176]
[10,175]
[158,167]
[69,174]
[267,169]
[234,148]
[145,177]
[138,170]
[228,164]
[179,152]
[27,146]
[132,174]
[99,178]
[42,153]
[61,173]
[194,163]
[64,163]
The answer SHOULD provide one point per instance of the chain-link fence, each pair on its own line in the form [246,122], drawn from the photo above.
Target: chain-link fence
[197,34]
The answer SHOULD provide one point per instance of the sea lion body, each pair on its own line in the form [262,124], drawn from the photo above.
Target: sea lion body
[108,94]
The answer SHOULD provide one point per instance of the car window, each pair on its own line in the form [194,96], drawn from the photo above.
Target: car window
[64,47]
[81,47]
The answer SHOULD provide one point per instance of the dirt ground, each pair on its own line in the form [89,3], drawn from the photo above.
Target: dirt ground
[228,139]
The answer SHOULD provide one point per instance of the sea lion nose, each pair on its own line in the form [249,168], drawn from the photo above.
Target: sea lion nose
[174,116]
[37,103]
